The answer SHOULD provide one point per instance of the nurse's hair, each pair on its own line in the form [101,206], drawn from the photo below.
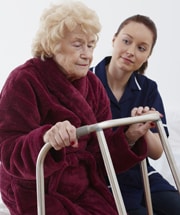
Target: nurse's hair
[149,24]
[57,20]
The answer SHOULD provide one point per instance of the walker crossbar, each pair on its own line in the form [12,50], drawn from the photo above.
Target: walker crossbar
[115,122]
[98,128]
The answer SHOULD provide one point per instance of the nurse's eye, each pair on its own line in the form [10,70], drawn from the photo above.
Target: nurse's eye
[126,41]
[142,48]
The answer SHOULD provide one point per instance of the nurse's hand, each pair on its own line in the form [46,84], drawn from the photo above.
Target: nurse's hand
[137,130]
[138,111]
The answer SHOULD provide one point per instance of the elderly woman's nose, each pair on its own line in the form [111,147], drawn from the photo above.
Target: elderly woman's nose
[86,52]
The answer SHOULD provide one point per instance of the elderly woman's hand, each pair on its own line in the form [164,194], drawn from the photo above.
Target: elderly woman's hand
[61,135]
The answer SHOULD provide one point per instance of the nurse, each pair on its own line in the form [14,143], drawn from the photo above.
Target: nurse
[122,75]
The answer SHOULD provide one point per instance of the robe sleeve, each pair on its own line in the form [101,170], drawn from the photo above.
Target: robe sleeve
[21,128]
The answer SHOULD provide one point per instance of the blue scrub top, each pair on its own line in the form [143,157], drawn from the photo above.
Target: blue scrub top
[140,91]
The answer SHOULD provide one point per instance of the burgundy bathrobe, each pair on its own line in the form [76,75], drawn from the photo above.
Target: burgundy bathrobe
[36,96]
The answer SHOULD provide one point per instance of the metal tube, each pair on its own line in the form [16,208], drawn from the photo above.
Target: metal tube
[87,129]
[147,191]
[111,173]
[169,154]
[40,179]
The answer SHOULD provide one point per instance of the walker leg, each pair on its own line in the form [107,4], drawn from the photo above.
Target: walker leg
[111,173]
[147,192]
[171,162]
[169,154]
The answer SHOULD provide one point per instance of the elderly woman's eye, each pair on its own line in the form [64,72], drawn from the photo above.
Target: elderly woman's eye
[77,44]
[91,46]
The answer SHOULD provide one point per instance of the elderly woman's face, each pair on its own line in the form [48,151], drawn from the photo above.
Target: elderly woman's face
[75,53]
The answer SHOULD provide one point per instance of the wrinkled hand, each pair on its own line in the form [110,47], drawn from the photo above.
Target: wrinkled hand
[62,134]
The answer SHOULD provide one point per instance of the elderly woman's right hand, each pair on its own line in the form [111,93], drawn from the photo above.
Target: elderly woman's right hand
[61,135]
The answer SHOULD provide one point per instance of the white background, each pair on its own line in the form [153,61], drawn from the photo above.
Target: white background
[19,20]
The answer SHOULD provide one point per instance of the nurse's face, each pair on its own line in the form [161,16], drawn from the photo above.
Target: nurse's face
[132,46]
[75,54]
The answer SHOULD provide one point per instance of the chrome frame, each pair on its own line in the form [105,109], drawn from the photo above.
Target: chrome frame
[98,128]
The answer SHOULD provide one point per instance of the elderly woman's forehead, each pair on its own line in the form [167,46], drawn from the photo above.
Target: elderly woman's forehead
[83,37]
[79,34]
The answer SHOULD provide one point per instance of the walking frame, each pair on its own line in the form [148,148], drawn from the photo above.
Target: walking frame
[98,128]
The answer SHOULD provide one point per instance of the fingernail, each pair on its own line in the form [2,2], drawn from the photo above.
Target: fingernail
[152,124]
[72,143]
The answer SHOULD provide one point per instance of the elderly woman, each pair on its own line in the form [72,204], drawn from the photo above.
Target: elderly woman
[45,100]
